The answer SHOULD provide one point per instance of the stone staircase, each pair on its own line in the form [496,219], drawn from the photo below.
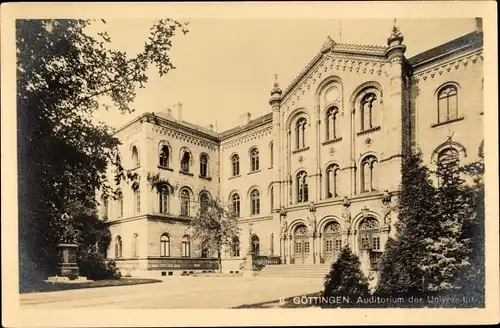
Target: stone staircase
[295,270]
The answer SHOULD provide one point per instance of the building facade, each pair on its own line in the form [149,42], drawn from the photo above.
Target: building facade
[320,171]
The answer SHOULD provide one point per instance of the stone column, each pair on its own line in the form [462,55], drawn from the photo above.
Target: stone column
[352,156]
[317,197]
[319,240]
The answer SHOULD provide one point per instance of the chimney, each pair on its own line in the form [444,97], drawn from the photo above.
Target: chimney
[169,111]
[245,119]
[479,24]
[210,127]
[178,106]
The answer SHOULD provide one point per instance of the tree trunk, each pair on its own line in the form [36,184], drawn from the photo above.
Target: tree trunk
[219,256]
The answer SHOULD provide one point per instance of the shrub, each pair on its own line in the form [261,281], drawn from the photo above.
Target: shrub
[346,279]
[93,266]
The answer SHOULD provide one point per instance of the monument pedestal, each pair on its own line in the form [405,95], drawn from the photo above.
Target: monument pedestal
[248,270]
[67,266]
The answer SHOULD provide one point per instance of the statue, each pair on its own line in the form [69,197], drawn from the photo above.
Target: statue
[386,207]
[69,233]
[312,207]
[312,222]
[346,212]
[284,227]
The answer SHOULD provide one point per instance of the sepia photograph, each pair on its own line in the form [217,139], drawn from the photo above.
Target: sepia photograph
[173,160]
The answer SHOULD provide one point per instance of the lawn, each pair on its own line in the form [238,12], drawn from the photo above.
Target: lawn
[43,287]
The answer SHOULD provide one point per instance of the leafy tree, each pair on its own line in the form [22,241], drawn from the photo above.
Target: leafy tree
[64,73]
[448,249]
[346,278]
[214,226]
[400,272]
[473,278]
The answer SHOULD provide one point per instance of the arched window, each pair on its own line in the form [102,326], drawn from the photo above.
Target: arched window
[186,246]
[135,157]
[164,245]
[271,154]
[185,202]
[235,247]
[235,200]
[135,245]
[164,156]
[204,199]
[204,252]
[368,111]
[447,103]
[300,133]
[204,166]
[119,204]
[302,188]
[332,123]
[368,237]
[448,155]
[255,245]
[255,202]
[163,199]
[137,200]
[235,161]
[447,165]
[369,174]
[118,247]
[254,156]
[332,180]
[186,157]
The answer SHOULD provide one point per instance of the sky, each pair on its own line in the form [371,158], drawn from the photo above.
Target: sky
[226,67]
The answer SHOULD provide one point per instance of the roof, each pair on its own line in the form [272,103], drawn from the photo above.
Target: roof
[252,124]
[465,42]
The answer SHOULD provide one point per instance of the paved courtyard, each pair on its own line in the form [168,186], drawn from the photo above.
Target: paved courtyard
[178,293]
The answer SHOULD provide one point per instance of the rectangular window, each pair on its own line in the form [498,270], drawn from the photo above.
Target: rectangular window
[376,243]
[306,247]
[329,246]
[338,245]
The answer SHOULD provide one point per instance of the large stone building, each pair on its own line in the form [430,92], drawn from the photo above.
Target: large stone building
[318,172]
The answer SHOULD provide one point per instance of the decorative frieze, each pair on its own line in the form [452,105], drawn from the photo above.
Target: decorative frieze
[248,137]
[184,137]
[445,67]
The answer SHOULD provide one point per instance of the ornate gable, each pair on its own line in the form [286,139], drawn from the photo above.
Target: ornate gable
[336,58]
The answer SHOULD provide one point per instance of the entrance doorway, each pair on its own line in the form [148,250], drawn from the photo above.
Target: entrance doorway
[301,244]
[332,242]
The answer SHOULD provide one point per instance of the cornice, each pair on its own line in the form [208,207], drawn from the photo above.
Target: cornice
[185,137]
[445,66]
[178,127]
[248,136]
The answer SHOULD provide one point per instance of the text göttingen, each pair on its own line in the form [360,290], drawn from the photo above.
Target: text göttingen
[318,300]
